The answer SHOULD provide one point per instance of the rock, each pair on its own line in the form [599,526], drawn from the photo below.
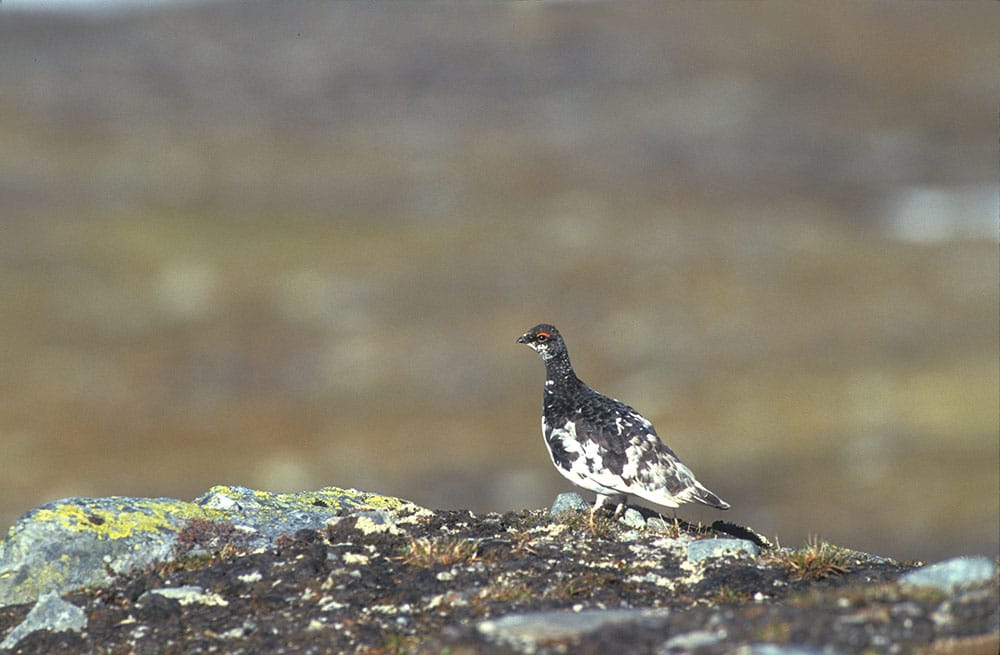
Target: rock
[952,574]
[526,630]
[569,502]
[50,613]
[80,542]
[689,641]
[710,548]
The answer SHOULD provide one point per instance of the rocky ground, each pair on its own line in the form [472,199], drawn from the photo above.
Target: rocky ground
[411,580]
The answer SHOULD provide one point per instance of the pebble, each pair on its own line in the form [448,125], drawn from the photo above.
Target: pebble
[569,502]
[633,519]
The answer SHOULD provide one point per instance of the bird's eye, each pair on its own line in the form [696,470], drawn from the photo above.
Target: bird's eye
[543,336]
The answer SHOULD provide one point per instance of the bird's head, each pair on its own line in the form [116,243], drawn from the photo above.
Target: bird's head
[545,340]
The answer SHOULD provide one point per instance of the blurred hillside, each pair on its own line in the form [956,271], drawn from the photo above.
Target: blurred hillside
[290,245]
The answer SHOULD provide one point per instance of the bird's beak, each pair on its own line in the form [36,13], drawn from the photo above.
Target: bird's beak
[523,338]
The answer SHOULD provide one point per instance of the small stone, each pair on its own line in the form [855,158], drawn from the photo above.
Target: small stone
[709,548]
[50,613]
[633,518]
[952,574]
[569,502]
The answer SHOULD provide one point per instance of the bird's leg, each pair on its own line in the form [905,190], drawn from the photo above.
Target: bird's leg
[601,498]
[673,516]
[622,504]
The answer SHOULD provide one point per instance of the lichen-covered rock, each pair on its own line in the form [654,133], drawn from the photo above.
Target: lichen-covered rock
[80,542]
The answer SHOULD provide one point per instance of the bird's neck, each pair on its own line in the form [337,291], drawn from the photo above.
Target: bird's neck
[559,372]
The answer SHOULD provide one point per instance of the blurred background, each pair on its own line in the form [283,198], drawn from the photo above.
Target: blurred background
[291,245]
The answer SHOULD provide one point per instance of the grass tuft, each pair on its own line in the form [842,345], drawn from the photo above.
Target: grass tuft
[817,560]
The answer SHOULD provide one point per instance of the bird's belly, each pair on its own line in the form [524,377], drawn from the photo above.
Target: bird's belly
[577,460]
[580,477]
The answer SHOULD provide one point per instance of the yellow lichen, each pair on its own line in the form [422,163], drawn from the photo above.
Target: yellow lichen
[145,515]
[333,497]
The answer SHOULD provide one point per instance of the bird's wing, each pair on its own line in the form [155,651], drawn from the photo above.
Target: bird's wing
[615,448]
[628,456]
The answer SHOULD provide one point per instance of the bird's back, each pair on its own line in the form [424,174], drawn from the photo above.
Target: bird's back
[625,453]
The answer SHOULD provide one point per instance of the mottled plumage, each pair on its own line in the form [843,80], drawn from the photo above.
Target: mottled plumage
[603,445]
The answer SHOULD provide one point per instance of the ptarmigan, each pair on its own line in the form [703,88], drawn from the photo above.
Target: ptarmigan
[602,444]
